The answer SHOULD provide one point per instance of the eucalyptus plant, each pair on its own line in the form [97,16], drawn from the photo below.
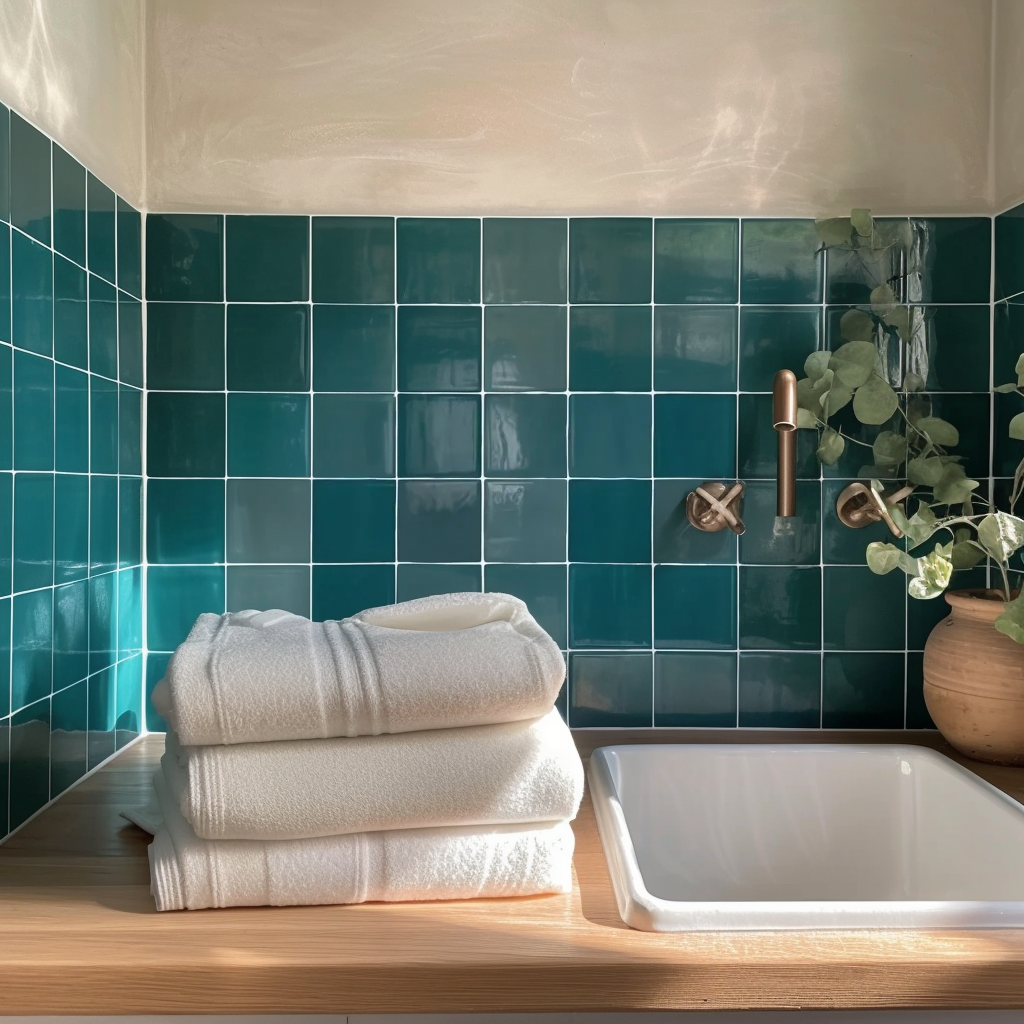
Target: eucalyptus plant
[911,443]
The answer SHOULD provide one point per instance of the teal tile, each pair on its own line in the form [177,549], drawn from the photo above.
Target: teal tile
[525,521]
[269,586]
[950,348]
[438,259]
[70,528]
[104,425]
[267,259]
[525,348]
[185,257]
[185,435]
[30,761]
[1006,452]
[155,666]
[862,691]
[184,346]
[972,416]
[353,259]
[850,464]
[343,590]
[780,608]
[101,229]
[524,435]
[525,259]
[176,598]
[33,531]
[69,737]
[609,605]
[268,520]
[1007,339]
[675,538]
[268,348]
[415,581]
[102,716]
[439,348]
[610,435]
[695,607]
[694,689]
[70,314]
[5,284]
[268,435]
[780,691]
[6,540]
[31,295]
[185,521]
[353,521]
[439,435]
[129,428]
[610,259]
[542,587]
[841,545]
[5,674]
[779,263]
[102,328]
[30,179]
[695,435]
[129,614]
[862,611]
[366,425]
[956,259]
[128,724]
[773,339]
[758,443]
[1009,268]
[609,521]
[770,540]
[695,348]
[917,716]
[129,340]
[129,523]
[103,502]
[129,249]
[31,647]
[5,723]
[5,205]
[70,634]
[610,690]
[439,520]
[610,348]
[696,260]
[353,348]
[68,206]
[6,408]
[33,412]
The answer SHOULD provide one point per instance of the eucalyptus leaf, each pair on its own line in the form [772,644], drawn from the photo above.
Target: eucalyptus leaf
[966,554]
[861,221]
[925,470]
[816,364]
[899,317]
[806,396]
[854,362]
[938,431]
[934,573]
[830,447]
[1017,427]
[882,558]
[955,486]
[1001,535]
[883,298]
[1006,389]
[1019,369]
[924,514]
[875,402]
[834,230]
[913,382]
[805,419]
[889,448]
[838,397]
[856,325]
[1011,622]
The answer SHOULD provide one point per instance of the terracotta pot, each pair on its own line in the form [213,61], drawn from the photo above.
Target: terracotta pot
[974,680]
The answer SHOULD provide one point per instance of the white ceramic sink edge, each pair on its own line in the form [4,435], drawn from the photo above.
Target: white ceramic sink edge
[854,837]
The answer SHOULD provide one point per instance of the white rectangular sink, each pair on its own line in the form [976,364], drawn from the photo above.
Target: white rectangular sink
[741,837]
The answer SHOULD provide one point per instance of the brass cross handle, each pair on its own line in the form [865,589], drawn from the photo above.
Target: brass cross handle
[860,505]
[715,506]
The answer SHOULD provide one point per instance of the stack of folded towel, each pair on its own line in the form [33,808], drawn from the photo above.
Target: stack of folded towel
[409,752]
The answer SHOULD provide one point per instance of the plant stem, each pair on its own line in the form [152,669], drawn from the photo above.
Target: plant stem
[1006,580]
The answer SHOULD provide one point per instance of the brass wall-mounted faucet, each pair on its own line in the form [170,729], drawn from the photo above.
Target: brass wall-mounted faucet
[784,415]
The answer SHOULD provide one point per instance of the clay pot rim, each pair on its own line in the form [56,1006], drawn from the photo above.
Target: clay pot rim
[978,602]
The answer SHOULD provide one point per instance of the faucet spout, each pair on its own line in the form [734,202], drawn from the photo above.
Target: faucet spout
[784,421]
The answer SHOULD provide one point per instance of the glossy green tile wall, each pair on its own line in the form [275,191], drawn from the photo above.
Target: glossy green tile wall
[345,411]
[70,471]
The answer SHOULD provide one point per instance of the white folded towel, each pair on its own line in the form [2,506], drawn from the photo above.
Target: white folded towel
[481,775]
[435,663]
[188,873]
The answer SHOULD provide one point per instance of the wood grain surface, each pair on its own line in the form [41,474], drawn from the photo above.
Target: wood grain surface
[79,935]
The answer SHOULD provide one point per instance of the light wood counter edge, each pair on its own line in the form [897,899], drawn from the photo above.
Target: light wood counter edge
[78,934]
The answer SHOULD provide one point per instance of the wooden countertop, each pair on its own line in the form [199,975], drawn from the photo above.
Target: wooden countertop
[79,935]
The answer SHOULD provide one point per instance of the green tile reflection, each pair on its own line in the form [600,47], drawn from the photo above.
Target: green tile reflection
[525,259]
[862,691]
[610,690]
[610,259]
[696,260]
[438,259]
[353,259]
[267,259]
[694,689]
[780,690]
